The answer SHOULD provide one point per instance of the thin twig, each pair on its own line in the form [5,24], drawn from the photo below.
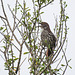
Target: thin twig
[2,17]
[22,62]
[8,21]
[46,4]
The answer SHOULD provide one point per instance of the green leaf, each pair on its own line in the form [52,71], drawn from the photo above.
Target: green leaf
[23,21]
[41,12]
[36,5]
[32,40]
[31,46]
[70,67]
[58,74]
[65,5]
[6,69]
[56,69]
[57,35]
[30,59]
[13,9]
[28,9]
[16,59]
[29,27]
[4,47]
[10,51]
[67,17]
[36,47]
[62,65]
[29,67]
[64,2]
[68,28]
[19,5]
[43,1]
[26,38]
[25,52]
[29,14]
[24,5]
[41,69]
[1,28]
[4,30]
[43,64]
[48,0]
[69,60]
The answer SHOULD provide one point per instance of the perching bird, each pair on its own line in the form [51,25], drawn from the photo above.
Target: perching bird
[47,38]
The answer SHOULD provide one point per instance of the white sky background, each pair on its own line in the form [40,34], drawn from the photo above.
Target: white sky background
[48,16]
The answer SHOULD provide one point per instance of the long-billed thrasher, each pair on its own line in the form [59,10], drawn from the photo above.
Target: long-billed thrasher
[47,38]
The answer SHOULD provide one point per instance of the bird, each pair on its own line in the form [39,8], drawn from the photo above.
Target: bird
[48,39]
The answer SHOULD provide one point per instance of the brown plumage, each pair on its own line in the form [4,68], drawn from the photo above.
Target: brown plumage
[48,39]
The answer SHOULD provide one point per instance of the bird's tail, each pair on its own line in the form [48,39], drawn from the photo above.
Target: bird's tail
[49,52]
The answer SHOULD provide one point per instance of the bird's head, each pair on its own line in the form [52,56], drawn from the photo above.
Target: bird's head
[44,25]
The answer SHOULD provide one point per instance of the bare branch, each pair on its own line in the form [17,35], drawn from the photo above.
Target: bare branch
[46,4]
[2,18]
[23,62]
[1,51]
[20,55]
